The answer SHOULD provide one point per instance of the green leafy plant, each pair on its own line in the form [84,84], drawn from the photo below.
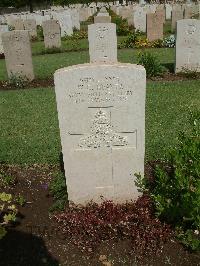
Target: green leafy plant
[176,188]
[59,191]
[20,200]
[130,40]
[151,64]
[18,81]
[8,212]
[121,24]
[6,179]
[77,35]
[40,33]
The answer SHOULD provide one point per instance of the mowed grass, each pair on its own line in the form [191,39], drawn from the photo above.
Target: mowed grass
[29,131]
[46,65]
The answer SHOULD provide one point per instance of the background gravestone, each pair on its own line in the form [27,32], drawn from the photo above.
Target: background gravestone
[188,45]
[102,126]
[102,17]
[140,19]
[65,21]
[177,14]
[154,26]
[51,31]
[102,42]
[17,50]
[30,25]
[3,28]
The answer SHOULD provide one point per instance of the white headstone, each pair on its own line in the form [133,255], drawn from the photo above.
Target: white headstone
[101,110]
[75,19]
[188,45]
[140,19]
[3,28]
[17,50]
[168,11]
[102,42]
[65,22]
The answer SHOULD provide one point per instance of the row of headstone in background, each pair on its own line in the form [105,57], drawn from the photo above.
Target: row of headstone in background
[51,31]
[28,24]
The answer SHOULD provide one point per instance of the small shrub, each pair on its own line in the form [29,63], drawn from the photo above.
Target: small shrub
[77,35]
[40,33]
[121,24]
[176,189]
[6,179]
[59,191]
[130,40]
[18,81]
[8,212]
[20,200]
[150,63]
[156,44]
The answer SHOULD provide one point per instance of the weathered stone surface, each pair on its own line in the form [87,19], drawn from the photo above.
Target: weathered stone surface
[160,12]
[52,36]
[102,42]
[17,24]
[188,45]
[177,14]
[3,28]
[154,26]
[188,12]
[17,50]
[84,14]
[102,19]
[101,110]
[30,25]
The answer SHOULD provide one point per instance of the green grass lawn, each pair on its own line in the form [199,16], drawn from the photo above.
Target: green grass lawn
[29,130]
[45,65]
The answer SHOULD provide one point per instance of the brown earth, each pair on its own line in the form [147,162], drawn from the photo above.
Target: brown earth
[36,239]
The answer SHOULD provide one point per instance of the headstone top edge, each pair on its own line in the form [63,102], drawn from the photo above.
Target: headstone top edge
[91,65]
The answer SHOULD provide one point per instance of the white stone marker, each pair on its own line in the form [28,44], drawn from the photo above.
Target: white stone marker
[75,19]
[101,110]
[102,42]
[3,28]
[17,50]
[51,31]
[65,22]
[140,19]
[188,45]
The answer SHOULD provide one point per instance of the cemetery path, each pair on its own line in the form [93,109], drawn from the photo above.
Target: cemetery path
[36,240]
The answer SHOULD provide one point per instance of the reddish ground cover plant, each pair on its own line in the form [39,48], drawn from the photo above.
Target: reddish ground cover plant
[89,226]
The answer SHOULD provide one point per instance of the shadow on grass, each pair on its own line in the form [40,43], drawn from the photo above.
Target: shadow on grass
[24,249]
[170,67]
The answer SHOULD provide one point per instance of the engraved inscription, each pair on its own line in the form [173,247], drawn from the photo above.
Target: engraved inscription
[191,29]
[102,134]
[110,88]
